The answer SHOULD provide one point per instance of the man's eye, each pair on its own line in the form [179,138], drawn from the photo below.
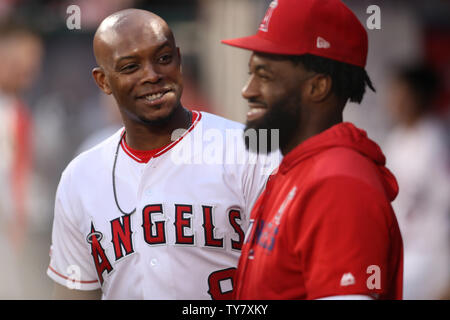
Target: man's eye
[128,68]
[167,58]
[259,75]
[263,76]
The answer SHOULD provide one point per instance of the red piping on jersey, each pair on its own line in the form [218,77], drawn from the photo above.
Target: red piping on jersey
[145,156]
[67,278]
[138,155]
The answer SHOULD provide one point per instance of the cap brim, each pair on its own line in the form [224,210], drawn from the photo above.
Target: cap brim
[259,44]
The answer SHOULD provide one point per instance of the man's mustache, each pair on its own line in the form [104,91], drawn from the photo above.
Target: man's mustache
[256,101]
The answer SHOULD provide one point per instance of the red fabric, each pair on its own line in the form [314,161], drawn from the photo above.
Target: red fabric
[142,156]
[323,223]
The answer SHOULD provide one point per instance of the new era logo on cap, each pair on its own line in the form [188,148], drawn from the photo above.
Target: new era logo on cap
[322,43]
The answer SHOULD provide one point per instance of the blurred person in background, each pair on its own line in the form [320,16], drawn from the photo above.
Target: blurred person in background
[20,53]
[418,156]
[113,123]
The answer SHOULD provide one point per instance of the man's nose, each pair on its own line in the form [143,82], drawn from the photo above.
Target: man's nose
[151,74]
[250,89]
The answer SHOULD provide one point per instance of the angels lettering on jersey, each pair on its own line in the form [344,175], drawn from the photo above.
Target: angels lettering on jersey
[154,232]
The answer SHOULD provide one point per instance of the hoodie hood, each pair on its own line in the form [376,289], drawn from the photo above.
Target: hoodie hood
[344,135]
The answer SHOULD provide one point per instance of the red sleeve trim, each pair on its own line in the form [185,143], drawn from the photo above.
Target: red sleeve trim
[67,278]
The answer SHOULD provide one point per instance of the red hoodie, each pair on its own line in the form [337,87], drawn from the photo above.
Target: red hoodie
[324,226]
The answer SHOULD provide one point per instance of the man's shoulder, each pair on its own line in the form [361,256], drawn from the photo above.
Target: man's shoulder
[341,161]
[218,122]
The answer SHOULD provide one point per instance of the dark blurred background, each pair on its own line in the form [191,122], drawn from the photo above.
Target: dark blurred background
[51,109]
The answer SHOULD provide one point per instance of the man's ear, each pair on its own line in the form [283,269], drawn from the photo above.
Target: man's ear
[100,79]
[320,87]
[179,59]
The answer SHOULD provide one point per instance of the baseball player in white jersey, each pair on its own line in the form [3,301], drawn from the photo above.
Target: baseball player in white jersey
[153,212]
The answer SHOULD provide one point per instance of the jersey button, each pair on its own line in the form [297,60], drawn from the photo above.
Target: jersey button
[153,262]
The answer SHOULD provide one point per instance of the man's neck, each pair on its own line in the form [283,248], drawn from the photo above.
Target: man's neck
[143,137]
[310,129]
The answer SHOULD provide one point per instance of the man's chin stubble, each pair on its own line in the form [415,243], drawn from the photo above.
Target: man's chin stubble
[158,122]
[279,125]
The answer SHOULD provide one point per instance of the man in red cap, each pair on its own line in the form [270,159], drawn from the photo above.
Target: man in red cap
[324,227]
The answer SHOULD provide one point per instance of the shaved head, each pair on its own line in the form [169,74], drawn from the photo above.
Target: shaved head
[140,65]
[117,28]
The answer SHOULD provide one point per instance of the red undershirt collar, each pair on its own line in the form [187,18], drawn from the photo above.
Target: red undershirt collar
[144,156]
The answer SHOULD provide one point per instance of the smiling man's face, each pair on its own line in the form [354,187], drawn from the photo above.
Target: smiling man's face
[273,92]
[143,72]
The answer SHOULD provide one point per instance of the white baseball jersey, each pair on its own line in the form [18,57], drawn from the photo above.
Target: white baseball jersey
[193,201]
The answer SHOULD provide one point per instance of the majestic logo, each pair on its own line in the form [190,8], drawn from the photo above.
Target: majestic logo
[264,26]
[347,279]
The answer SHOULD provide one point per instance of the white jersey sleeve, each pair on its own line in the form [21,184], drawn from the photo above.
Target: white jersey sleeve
[258,170]
[70,259]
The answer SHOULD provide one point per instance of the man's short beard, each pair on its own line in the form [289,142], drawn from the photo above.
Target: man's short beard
[283,115]
[160,122]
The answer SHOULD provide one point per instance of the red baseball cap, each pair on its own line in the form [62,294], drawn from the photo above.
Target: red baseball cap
[325,28]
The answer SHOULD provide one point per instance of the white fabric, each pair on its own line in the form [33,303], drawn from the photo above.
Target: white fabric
[418,157]
[163,271]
